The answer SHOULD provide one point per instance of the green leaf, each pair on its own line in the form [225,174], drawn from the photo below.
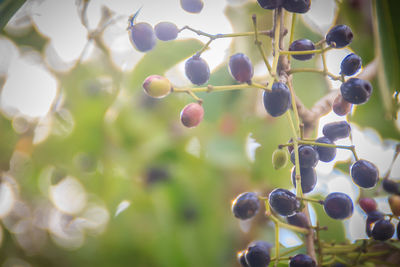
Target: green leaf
[161,59]
[7,9]
[387,38]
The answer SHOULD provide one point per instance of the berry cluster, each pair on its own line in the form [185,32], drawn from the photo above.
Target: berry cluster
[376,225]
[278,97]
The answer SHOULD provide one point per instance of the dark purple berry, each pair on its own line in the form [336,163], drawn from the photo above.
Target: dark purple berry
[308,179]
[302,260]
[338,206]
[336,130]
[398,230]
[246,205]
[278,100]
[241,258]
[364,173]
[326,154]
[192,114]
[261,243]
[297,6]
[283,202]
[241,68]
[302,45]
[367,204]
[197,70]
[308,156]
[374,216]
[142,36]
[257,255]
[341,35]
[192,6]
[298,219]
[350,64]
[382,230]
[166,31]
[356,91]
[390,186]
[270,4]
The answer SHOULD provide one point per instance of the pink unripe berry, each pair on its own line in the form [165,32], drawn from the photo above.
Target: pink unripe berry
[192,114]
[368,204]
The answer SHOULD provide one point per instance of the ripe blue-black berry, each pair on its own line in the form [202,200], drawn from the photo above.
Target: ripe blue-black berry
[192,114]
[142,36]
[297,6]
[278,100]
[257,255]
[166,31]
[302,45]
[374,216]
[283,202]
[308,156]
[197,70]
[298,219]
[261,243]
[241,258]
[270,4]
[241,68]
[398,230]
[364,173]
[338,206]
[341,35]
[356,91]
[192,6]
[350,64]
[325,154]
[368,204]
[382,230]
[336,130]
[308,179]
[302,260]
[246,205]
[390,186]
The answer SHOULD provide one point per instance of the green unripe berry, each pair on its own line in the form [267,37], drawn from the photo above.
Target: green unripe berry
[279,158]
[157,86]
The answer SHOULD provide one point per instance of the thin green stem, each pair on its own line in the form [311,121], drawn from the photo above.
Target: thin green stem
[323,72]
[351,148]
[259,44]
[198,99]
[396,154]
[305,52]
[210,88]
[276,244]
[320,255]
[282,224]
[205,47]
[292,30]
[277,32]
[294,106]
[311,200]
[220,35]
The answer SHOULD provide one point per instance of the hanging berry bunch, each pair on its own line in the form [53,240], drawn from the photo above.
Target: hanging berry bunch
[286,208]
